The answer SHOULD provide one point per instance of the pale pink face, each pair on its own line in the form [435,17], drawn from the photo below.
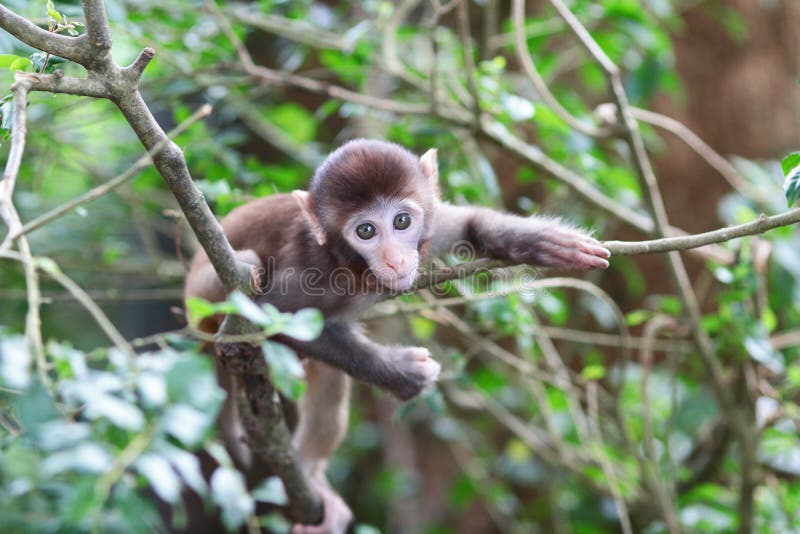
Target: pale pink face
[387,234]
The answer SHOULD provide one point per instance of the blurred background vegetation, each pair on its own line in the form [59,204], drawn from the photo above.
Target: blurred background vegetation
[550,417]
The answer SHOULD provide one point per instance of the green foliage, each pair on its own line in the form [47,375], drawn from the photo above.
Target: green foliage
[73,461]
[306,324]
[791,170]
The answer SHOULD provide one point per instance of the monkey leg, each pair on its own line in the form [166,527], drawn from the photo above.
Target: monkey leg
[323,415]
[404,371]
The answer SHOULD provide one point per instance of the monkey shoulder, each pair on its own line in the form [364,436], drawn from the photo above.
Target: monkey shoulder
[264,225]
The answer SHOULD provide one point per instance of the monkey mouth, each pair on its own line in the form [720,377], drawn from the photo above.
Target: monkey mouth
[398,282]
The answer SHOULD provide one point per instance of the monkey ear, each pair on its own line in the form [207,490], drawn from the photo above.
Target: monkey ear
[303,199]
[430,166]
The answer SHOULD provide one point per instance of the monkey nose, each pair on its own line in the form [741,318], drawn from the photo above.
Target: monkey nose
[395,263]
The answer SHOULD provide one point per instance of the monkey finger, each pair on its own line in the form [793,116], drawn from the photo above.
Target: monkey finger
[596,249]
[589,261]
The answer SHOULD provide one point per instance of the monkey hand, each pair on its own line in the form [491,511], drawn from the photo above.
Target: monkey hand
[415,370]
[336,514]
[562,247]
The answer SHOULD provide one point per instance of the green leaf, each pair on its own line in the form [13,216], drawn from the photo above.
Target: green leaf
[518,451]
[160,476]
[637,317]
[38,60]
[285,370]
[121,413]
[198,309]
[192,381]
[85,458]
[15,362]
[51,11]
[138,511]
[761,351]
[152,389]
[59,434]
[7,59]
[790,162]
[271,491]
[188,466]
[82,501]
[7,112]
[248,309]
[489,381]
[791,170]
[295,121]
[189,425]
[13,62]
[422,327]
[230,493]
[593,372]
[305,324]
[518,108]
[668,304]
[793,375]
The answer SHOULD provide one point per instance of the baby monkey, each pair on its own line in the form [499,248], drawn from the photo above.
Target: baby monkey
[371,217]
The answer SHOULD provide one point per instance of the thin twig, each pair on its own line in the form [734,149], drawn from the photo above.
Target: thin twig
[275,77]
[693,141]
[51,269]
[653,470]
[465,36]
[755,227]
[9,214]
[605,463]
[97,192]
[518,19]
[72,48]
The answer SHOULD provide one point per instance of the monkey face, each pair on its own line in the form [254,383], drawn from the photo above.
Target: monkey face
[387,235]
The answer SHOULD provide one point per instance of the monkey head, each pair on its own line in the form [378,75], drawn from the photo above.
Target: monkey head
[376,199]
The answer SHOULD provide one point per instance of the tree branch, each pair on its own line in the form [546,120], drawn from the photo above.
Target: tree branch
[702,149]
[58,83]
[8,212]
[667,244]
[97,28]
[518,19]
[71,48]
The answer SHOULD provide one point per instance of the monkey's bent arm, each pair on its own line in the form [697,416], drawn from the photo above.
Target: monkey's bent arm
[533,240]
[203,281]
[403,371]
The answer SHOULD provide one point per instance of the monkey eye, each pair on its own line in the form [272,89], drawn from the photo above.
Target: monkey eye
[402,221]
[365,231]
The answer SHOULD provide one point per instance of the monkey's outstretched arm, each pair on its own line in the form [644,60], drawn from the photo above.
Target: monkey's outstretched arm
[533,240]
[403,371]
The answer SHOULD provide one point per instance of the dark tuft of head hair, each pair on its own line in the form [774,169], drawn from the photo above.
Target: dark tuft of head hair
[359,172]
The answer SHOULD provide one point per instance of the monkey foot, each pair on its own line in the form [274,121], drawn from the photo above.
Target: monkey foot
[336,514]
